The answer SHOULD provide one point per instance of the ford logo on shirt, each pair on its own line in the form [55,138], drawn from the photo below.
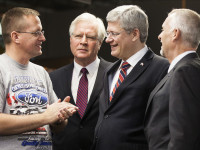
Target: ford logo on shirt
[32,98]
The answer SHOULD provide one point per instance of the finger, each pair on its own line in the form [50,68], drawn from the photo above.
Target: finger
[65,114]
[72,111]
[69,113]
[68,105]
[59,100]
[60,118]
[76,108]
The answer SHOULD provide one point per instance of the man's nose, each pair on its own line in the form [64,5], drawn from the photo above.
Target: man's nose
[84,39]
[108,39]
[42,37]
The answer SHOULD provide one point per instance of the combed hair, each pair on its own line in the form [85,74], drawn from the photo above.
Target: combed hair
[130,17]
[91,18]
[12,20]
[188,22]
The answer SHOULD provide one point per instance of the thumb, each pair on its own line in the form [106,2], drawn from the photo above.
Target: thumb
[67,99]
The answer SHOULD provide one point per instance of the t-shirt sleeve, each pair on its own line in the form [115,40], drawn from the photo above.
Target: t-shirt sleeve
[51,94]
[2,98]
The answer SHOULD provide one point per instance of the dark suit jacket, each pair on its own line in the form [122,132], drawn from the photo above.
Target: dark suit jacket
[79,133]
[120,123]
[172,120]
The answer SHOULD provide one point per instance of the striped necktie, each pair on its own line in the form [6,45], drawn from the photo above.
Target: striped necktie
[122,75]
[82,94]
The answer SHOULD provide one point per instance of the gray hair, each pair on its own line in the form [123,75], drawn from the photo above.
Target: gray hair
[130,17]
[188,22]
[93,19]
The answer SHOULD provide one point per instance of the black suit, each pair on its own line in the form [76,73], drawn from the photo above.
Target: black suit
[79,133]
[172,120]
[120,123]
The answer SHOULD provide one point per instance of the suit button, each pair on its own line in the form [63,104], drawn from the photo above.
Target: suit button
[81,127]
[96,138]
[106,116]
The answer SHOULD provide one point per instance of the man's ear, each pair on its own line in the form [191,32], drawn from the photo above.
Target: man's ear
[135,34]
[99,45]
[176,34]
[15,36]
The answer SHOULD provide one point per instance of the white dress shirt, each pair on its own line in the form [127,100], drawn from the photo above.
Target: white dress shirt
[178,58]
[76,76]
[133,60]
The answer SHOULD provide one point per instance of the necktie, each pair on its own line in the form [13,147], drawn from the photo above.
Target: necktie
[82,94]
[122,75]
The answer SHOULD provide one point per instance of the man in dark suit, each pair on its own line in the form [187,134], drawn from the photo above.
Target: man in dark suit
[128,82]
[87,33]
[172,119]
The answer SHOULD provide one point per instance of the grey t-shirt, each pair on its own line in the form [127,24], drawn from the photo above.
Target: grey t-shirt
[25,90]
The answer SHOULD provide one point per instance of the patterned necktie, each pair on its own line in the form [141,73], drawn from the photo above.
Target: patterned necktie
[82,94]
[122,75]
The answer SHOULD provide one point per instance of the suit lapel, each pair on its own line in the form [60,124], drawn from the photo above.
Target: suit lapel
[108,78]
[158,87]
[67,86]
[163,81]
[97,86]
[139,68]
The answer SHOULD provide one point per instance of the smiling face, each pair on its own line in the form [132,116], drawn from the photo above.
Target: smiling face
[30,44]
[120,42]
[84,43]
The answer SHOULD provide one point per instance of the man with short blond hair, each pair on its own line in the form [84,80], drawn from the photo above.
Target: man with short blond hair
[28,104]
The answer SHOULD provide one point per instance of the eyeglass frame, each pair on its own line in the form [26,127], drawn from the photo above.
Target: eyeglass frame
[115,34]
[112,34]
[37,33]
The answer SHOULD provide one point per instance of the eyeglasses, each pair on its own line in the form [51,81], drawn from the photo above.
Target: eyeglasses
[112,34]
[37,33]
[88,37]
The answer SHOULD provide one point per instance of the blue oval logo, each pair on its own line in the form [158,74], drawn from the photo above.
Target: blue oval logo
[32,98]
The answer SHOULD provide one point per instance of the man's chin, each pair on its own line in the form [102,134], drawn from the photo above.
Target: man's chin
[37,54]
[114,54]
[162,53]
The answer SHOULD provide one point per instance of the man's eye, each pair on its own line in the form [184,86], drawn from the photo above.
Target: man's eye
[37,33]
[114,33]
[91,37]
[78,36]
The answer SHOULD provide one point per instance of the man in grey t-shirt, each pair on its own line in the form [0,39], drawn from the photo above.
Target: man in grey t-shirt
[28,104]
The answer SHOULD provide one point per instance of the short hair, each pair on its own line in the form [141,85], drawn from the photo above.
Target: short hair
[188,22]
[130,17]
[12,21]
[101,31]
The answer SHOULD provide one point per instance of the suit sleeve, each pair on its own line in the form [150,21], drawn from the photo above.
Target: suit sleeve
[184,109]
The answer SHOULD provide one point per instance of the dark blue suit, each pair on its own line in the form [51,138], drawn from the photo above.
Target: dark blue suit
[120,123]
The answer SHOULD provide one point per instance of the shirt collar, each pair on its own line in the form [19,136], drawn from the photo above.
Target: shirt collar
[92,67]
[134,59]
[178,58]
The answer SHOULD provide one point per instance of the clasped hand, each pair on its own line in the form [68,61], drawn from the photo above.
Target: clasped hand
[59,111]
